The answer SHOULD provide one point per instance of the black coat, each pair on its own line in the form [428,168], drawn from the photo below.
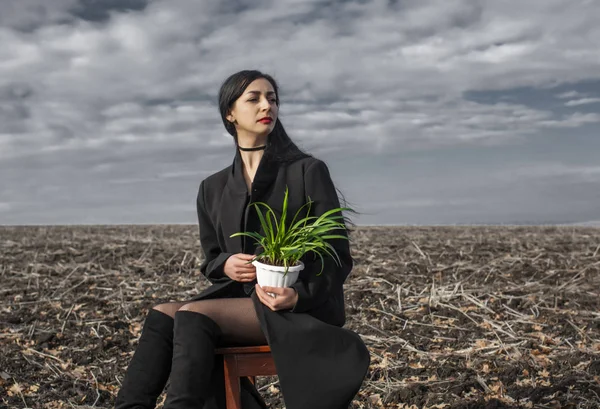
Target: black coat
[319,363]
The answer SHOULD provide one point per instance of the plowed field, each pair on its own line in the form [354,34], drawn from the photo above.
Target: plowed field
[454,317]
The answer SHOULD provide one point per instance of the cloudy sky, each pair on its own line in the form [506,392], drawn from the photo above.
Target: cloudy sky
[426,112]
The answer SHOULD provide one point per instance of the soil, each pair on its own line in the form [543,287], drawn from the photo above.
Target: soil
[454,317]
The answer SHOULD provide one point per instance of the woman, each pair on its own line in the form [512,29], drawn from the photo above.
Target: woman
[320,364]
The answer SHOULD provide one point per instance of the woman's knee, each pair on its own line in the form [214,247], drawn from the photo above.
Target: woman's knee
[195,306]
[204,307]
[169,308]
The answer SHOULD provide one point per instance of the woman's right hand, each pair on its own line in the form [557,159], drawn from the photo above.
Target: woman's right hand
[237,268]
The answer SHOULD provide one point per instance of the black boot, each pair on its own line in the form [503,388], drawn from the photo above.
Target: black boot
[194,343]
[150,366]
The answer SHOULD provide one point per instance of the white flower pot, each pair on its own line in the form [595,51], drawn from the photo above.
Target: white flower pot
[273,276]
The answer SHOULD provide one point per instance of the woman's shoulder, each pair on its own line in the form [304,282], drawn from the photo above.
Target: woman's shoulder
[219,179]
[312,167]
[306,163]
[216,180]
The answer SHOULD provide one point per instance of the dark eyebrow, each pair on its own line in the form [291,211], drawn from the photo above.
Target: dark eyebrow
[258,92]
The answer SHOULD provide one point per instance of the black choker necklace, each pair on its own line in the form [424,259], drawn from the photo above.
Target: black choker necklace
[256,148]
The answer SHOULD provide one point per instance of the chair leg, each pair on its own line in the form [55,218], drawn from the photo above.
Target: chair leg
[232,383]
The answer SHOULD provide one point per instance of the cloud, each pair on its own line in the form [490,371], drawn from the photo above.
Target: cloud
[151,75]
[128,90]
[574,120]
[179,175]
[551,170]
[581,101]
[29,15]
[425,202]
[569,94]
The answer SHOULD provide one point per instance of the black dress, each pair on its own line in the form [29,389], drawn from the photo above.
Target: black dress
[320,364]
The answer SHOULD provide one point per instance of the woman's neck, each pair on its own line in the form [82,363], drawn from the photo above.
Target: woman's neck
[251,159]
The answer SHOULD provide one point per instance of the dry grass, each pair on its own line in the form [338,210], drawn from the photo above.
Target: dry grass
[454,317]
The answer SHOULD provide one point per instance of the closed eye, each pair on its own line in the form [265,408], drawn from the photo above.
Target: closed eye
[255,99]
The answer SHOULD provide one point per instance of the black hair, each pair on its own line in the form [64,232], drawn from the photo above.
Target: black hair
[280,147]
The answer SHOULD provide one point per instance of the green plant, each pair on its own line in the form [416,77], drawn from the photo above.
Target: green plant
[284,245]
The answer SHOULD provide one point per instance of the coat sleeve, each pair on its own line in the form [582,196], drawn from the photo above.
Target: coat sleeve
[314,290]
[214,258]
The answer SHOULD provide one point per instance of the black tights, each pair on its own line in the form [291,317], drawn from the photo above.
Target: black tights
[235,316]
[150,366]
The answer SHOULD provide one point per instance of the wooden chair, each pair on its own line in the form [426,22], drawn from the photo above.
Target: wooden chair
[244,361]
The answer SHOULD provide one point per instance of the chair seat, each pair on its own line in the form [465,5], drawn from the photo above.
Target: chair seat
[248,361]
[243,350]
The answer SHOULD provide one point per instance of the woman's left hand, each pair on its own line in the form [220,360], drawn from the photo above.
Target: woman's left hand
[285,297]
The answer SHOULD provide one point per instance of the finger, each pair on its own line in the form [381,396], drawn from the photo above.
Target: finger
[264,297]
[243,264]
[285,300]
[281,299]
[245,277]
[260,291]
[291,292]
[274,290]
[267,298]
[242,256]
[246,270]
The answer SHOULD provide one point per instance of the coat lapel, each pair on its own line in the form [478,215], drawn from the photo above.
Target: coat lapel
[234,198]
[264,178]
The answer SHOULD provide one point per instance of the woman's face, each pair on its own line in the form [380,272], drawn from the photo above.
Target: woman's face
[257,102]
